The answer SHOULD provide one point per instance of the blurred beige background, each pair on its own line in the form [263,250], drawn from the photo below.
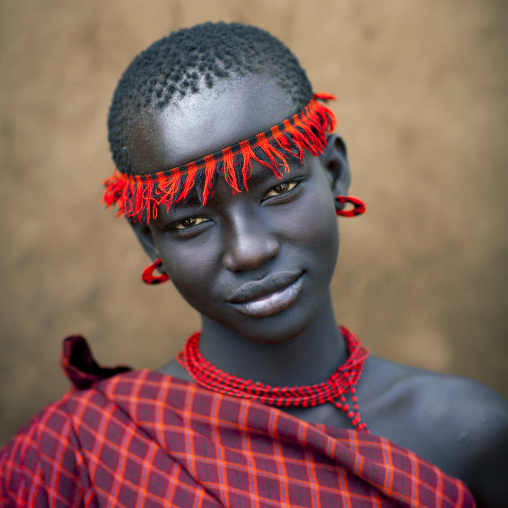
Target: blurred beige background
[423,102]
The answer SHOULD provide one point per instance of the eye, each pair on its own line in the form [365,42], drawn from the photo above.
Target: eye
[188,223]
[281,188]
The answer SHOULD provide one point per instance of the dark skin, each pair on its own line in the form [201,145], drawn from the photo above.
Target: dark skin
[283,235]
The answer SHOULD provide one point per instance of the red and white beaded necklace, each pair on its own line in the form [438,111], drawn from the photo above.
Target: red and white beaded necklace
[334,391]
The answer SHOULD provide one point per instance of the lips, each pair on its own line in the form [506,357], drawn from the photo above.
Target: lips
[268,296]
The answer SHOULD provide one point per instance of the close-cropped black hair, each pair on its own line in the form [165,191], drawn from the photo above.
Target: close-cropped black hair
[190,58]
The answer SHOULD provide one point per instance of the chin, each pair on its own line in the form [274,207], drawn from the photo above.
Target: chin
[278,328]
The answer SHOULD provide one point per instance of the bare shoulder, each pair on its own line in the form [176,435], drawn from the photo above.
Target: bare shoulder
[463,402]
[454,422]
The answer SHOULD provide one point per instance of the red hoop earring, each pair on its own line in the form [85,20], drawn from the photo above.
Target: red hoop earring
[358,206]
[149,278]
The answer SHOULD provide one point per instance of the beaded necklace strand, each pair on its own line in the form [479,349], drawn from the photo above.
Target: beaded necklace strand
[334,391]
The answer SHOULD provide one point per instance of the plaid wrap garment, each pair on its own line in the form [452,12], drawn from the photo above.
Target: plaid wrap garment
[139,438]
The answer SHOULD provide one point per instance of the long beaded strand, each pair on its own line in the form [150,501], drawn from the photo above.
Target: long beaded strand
[334,391]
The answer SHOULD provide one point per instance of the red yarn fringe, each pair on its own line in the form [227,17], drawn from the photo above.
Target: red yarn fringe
[138,197]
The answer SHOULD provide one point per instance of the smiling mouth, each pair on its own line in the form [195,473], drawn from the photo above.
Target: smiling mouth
[269,296]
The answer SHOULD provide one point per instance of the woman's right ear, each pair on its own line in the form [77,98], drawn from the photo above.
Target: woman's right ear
[146,240]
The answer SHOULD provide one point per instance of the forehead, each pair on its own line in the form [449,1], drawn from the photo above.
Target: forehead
[206,122]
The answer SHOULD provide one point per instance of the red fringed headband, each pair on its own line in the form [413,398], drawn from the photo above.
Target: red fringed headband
[139,196]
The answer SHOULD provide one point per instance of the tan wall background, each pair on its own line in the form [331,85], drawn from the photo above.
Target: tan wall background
[423,104]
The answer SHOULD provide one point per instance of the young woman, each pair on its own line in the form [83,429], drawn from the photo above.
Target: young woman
[232,179]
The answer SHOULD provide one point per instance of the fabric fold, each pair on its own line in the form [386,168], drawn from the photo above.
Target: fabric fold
[142,438]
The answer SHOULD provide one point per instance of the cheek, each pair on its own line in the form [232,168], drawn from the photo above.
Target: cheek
[190,268]
[315,226]
[194,285]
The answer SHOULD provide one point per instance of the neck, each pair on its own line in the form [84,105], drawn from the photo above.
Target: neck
[310,357]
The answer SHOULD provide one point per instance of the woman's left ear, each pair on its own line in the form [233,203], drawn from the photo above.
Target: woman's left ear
[335,162]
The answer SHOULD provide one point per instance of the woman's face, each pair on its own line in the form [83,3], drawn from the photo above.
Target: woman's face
[258,263]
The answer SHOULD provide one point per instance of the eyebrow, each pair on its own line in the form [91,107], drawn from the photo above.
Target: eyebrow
[263,173]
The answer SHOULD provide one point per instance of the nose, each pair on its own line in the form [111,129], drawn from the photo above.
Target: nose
[248,242]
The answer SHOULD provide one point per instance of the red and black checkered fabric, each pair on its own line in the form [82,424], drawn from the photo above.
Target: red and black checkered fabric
[140,439]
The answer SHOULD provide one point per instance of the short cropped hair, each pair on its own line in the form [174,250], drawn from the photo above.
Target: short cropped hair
[190,58]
